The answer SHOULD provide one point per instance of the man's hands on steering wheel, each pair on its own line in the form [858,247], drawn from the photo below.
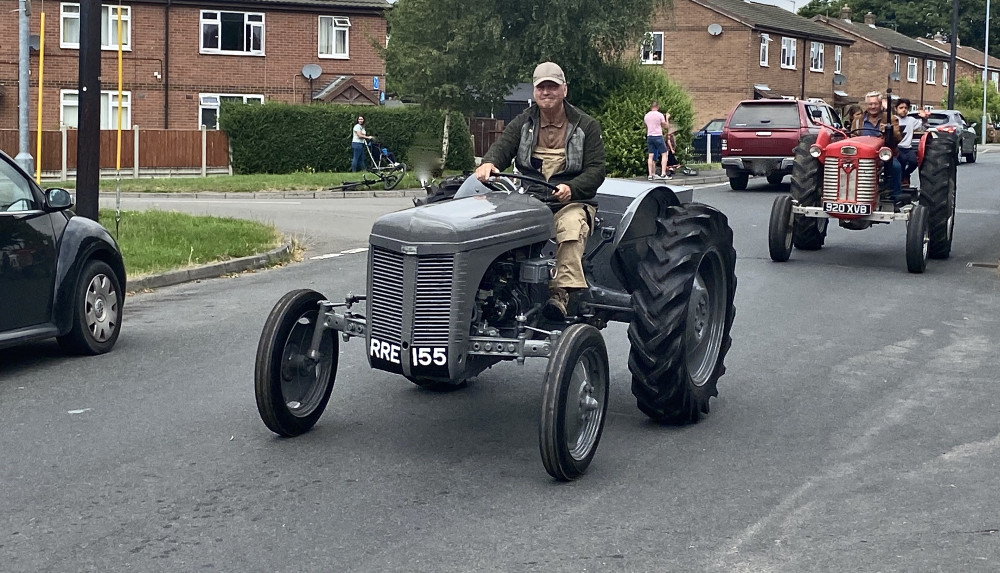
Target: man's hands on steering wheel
[560,192]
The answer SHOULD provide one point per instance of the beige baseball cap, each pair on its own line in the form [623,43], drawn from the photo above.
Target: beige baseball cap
[548,72]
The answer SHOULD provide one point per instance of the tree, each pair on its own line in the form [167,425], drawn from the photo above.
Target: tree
[969,101]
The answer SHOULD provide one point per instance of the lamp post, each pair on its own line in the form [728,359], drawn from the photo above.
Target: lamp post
[23,158]
[986,65]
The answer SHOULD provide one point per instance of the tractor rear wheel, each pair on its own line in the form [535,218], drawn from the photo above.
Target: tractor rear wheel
[682,313]
[937,192]
[808,233]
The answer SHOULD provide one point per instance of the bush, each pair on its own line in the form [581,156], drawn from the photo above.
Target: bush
[622,112]
[287,138]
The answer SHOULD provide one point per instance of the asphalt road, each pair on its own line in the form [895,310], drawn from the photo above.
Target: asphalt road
[856,430]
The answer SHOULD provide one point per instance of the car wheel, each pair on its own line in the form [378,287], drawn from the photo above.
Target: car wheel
[971,157]
[97,311]
[775,178]
[739,183]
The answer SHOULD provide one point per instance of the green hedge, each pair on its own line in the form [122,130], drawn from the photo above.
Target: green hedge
[622,112]
[287,138]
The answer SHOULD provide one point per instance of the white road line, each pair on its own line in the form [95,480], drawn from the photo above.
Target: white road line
[977,212]
[353,251]
[341,253]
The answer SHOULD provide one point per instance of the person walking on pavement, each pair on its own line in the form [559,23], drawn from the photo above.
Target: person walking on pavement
[656,146]
[358,142]
[557,142]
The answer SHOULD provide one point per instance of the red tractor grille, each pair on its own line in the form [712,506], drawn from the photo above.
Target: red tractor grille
[850,180]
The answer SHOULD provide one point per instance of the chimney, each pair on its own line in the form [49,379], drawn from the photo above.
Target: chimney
[845,12]
[870,19]
[939,38]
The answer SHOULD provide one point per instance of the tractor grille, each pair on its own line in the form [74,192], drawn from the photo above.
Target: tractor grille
[386,298]
[432,291]
[432,304]
[859,184]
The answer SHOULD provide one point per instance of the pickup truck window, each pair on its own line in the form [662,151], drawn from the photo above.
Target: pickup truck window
[774,116]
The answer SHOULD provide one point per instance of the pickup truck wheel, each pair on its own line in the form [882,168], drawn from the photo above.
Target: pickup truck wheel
[937,192]
[739,183]
[775,178]
[291,388]
[808,233]
[96,312]
[682,314]
[574,402]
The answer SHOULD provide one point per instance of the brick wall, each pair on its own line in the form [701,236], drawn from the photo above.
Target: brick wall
[719,71]
[290,42]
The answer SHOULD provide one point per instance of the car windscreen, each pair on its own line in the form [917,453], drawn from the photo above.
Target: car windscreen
[767,116]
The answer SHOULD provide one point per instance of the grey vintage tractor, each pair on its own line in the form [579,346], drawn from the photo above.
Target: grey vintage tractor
[455,287]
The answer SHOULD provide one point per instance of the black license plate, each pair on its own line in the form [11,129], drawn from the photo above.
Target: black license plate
[847,208]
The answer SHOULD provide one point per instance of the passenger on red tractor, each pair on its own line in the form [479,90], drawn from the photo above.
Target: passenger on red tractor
[873,124]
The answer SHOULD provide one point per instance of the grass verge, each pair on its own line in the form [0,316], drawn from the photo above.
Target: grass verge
[156,241]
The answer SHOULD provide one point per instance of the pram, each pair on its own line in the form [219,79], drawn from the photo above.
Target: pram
[383,165]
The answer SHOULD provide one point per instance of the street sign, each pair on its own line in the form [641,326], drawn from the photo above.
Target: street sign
[381,97]
[374,82]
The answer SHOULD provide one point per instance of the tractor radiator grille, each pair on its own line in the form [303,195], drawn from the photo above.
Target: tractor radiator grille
[386,297]
[858,184]
[432,304]
[432,289]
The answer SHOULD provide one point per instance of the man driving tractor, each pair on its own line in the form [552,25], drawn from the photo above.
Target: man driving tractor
[557,142]
[873,124]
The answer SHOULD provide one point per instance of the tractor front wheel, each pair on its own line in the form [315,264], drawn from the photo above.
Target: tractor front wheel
[779,230]
[916,240]
[682,314]
[808,233]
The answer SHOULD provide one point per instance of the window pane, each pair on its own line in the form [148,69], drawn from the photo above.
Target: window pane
[341,46]
[71,30]
[232,32]
[325,35]
[766,115]
[210,36]
[209,118]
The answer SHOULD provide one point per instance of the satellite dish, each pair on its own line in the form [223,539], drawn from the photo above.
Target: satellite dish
[311,71]
[714,29]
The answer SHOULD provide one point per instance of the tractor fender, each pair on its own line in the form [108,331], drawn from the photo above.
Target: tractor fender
[638,223]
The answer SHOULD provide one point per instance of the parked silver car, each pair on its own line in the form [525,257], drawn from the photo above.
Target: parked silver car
[952,121]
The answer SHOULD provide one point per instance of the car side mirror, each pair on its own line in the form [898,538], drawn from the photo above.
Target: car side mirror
[973,124]
[58,199]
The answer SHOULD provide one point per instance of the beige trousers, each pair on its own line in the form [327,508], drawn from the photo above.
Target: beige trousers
[572,229]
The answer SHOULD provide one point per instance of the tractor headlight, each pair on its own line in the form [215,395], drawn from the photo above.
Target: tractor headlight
[815,151]
[885,154]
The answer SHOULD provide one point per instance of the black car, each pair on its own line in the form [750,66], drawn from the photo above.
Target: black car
[951,121]
[700,140]
[61,275]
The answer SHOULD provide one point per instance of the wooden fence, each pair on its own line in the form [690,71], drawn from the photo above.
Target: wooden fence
[145,152]
[484,132]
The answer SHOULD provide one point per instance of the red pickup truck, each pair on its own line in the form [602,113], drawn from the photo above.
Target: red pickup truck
[759,136]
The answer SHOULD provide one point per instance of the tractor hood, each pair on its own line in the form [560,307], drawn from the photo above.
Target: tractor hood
[465,224]
[865,147]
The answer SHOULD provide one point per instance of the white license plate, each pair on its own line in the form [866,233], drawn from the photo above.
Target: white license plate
[847,208]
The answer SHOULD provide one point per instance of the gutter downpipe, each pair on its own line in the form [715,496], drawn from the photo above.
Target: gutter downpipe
[166,66]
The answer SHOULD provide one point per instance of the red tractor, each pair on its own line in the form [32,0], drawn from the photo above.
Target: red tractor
[841,177]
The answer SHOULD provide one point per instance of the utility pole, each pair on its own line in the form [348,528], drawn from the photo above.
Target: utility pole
[954,54]
[24,158]
[986,67]
[88,142]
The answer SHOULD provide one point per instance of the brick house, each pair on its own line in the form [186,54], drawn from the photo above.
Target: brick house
[181,58]
[968,61]
[881,58]
[724,51]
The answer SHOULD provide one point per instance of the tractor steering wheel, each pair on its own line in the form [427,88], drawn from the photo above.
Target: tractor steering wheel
[496,186]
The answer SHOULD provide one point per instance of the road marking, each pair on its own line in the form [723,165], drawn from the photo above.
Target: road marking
[341,253]
[977,212]
[221,201]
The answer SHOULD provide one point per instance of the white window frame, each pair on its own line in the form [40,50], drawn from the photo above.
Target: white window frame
[336,25]
[251,21]
[70,12]
[765,43]
[816,56]
[838,59]
[911,69]
[944,73]
[214,101]
[649,56]
[788,47]
[109,108]
[895,66]
[930,71]
[995,78]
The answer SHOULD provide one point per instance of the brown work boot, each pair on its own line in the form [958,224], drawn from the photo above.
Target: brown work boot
[555,308]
